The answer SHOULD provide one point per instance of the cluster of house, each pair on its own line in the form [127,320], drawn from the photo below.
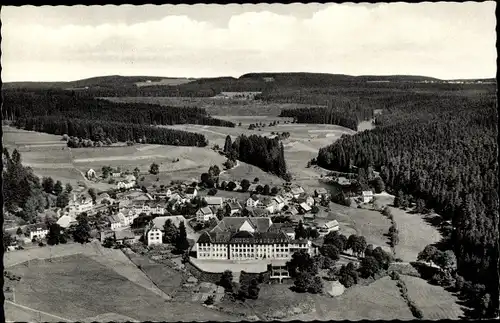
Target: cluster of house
[124,181]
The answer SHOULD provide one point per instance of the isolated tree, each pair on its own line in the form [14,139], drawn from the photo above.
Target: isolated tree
[58,188]
[314,209]
[231,186]
[259,189]
[181,242]
[226,281]
[383,258]
[313,233]
[170,232]
[227,144]
[154,169]
[266,190]
[54,235]
[212,191]
[68,188]
[256,180]
[137,172]
[446,260]
[245,184]
[82,230]
[300,231]
[429,254]
[274,190]
[19,231]
[92,194]
[378,185]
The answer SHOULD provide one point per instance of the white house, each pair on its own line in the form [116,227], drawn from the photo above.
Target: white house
[269,204]
[38,231]
[114,222]
[153,232]
[91,174]
[116,174]
[130,178]
[125,184]
[214,201]
[79,205]
[252,201]
[204,214]
[367,196]
[191,192]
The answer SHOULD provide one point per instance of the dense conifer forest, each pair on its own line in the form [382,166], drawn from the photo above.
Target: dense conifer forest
[442,149]
[71,104]
[263,152]
[342,112]
[108,132]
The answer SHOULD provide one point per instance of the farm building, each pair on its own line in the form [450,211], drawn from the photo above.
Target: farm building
[305,207]
[66,221]
[321,192]
[330,226]
[367,196]
[296,191]
[214,201]
[125,184]
[235,207]
[114,222]
[124,236]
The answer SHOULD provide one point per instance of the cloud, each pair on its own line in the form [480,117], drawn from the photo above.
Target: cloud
[426,38]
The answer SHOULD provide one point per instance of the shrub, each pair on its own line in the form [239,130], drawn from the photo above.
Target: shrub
[210,300]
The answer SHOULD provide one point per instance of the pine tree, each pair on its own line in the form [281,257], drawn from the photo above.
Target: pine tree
[181,242]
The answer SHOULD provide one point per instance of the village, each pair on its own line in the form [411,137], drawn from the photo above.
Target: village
[222,231]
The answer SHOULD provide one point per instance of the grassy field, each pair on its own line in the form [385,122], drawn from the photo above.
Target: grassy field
[435,302]
[378,301]
[370,224]
[414,234]
[169,82]
[216,106]
[274,302]
[52,288]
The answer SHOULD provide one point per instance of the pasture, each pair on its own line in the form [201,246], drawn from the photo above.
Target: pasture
[378,301]
[275,302]
[52,287]
[370,224]
[414,234]
[435,302]
[166,81]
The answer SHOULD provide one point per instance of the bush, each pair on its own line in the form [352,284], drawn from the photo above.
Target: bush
[41,244]
[210,300]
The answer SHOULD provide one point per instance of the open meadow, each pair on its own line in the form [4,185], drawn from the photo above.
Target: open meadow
[435,302]
[380,300]
[77,287]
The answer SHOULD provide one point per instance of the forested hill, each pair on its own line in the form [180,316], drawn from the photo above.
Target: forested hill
[442,149]
[21,104]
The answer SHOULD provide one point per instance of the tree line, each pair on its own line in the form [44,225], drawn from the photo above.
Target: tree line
[442,151]
[342,112]
[102,131]
[19,104]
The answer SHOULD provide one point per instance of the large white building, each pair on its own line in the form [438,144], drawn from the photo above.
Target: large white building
[241,238]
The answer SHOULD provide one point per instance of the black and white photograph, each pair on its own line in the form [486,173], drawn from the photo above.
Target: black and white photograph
[250,162]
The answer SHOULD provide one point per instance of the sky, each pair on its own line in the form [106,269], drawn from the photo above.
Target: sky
[62,43]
